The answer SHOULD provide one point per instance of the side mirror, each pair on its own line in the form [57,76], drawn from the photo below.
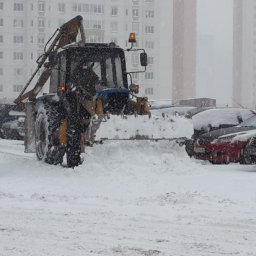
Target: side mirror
[143,59]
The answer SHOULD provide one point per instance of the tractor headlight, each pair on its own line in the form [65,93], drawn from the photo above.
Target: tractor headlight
[134,88]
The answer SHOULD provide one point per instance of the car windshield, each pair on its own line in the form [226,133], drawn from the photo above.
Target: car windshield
[249,122]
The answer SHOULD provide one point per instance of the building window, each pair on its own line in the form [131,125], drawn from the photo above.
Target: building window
[18,39]
[135,12]
[61,7]
[17,87]
[81,7]
[94,24]
[1,55]
[41,7]
[149,91]
[135,75]
[149,44]
[1,5]
[1,39]
[1,88]
[114,27]
[126,12]
[1,22]
[18,55]
[18,7]
[18,72]
[93,8]
[1,72]
[96,8]
[18,23]
[149,29]
[40,40]
[149,14]
[135,27]
[151,60]
[149,75]
[114,11]
[41,23]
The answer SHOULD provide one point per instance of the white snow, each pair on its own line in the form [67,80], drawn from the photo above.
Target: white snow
[127,198]
[161,125]
[216,117]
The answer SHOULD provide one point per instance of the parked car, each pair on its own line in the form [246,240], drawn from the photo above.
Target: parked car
[248,154]
[213,119]
[12,121]
[172,111]
[226,145]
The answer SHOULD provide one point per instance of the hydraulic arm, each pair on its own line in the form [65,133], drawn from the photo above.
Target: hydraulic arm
[65,35]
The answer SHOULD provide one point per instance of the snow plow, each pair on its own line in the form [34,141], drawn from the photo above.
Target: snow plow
[88,81]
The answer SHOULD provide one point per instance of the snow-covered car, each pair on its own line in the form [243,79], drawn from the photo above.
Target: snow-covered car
[227,144]
[12,121]
[172,111]
[213,119]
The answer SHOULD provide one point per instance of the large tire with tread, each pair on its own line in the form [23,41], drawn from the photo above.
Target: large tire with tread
[246,159]
[47,124]
[73,149]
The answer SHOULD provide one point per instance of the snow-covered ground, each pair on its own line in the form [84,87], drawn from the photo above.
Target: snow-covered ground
[127,198]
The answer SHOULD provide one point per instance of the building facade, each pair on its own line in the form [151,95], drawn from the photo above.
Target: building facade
[244,53]
[184,49]
[26,26]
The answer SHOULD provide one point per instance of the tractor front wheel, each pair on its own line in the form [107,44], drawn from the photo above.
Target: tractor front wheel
[47,124]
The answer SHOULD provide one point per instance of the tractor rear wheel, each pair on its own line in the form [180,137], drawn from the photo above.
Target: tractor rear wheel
[47,124]
[73,149]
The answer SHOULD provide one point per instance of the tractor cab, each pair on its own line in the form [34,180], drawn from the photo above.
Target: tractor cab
[106,61]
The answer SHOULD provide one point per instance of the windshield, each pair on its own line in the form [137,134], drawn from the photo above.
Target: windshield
[107,66]
[249,122]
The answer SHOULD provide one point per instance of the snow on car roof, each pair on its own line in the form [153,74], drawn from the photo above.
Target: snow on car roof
[218,116]
[179,110]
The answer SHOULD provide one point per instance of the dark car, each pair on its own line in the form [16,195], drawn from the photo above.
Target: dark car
[12,120]
[223,145]
[214,119]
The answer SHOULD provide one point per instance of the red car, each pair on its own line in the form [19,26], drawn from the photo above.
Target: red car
[226,145]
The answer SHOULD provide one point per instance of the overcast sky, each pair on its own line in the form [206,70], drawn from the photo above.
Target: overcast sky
[215,17]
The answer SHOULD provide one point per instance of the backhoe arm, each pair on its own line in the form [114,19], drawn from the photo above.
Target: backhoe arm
[65,35]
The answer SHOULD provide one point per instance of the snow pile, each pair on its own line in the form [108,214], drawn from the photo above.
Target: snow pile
[157,126]
[129,198]
[155,104]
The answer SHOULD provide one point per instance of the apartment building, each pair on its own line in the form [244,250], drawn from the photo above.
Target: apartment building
[244,53]
[184,49]
[26,25]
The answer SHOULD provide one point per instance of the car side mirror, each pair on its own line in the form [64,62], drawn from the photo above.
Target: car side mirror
[143,59]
